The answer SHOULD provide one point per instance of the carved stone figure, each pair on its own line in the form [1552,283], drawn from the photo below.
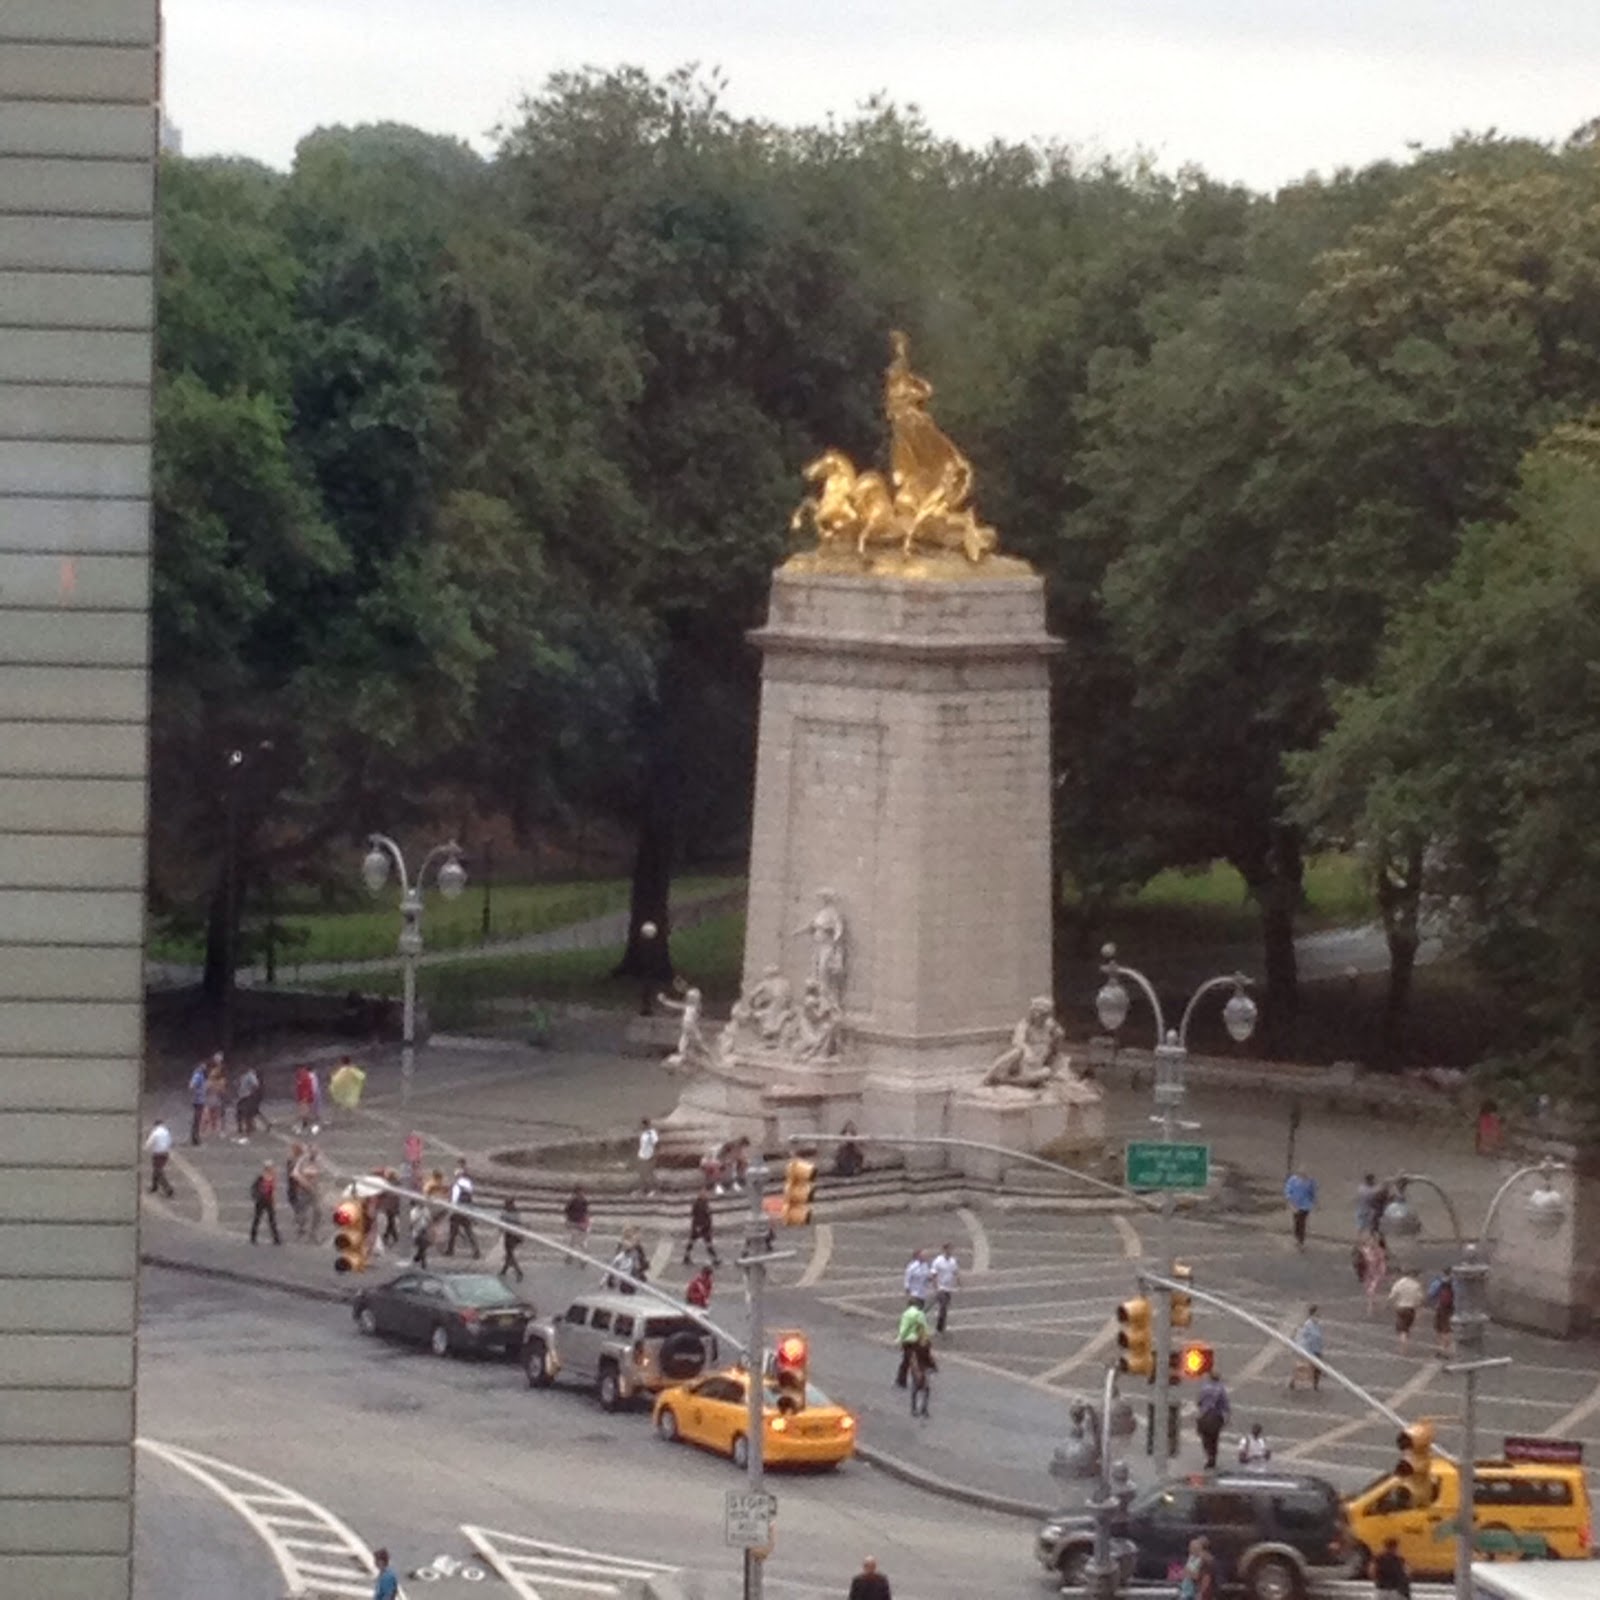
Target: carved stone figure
[693,1053]
[827,932]
[770,1009]
[1035,1055]
[820,1024]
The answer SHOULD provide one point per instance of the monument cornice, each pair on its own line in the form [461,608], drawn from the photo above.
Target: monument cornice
[907,646]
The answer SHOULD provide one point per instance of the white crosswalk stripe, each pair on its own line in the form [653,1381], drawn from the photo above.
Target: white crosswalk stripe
[535,1568]
[317,1554]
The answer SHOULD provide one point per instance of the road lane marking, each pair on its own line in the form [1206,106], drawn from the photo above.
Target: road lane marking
[1413,1386]
[821,1251]
[1132,1245]
[661,1258]
[336,1561]
[210,1214]
[979,1236]
[1085,1352]
[534,1567]
[1270,1351]
[1584,1409]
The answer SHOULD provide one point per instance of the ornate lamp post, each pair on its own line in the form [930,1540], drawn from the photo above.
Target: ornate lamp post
[1547,1209]
[451,878]
[1112,1004]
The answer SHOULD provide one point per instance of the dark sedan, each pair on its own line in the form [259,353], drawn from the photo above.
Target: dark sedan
[450,1312]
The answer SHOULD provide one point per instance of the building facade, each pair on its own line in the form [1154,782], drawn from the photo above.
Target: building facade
[78,95]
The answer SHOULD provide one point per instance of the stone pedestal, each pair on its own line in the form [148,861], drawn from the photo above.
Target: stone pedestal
[1063,1114]
[1550,1281]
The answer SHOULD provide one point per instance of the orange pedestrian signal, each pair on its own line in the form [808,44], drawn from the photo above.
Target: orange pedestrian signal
[790,1361]
[349,1235]
[1195,1360]
[1133,1338]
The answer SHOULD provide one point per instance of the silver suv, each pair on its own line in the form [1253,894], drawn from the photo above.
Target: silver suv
[623,1344]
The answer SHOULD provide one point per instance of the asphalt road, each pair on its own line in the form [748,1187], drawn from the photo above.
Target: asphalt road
[408,1449]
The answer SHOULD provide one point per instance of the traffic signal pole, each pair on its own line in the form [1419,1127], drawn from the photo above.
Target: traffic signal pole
[1169,1095]
[754,1263]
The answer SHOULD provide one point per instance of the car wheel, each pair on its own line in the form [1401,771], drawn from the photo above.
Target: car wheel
[683,1356]
[1073,1565]
[609,1388]
[1273,1578]
[439,1340]
[367,1322]
[667,1426]
[740,1451]
[536,1364]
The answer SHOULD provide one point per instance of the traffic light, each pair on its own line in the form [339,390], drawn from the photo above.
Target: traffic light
[1182,1305]
[799,1184]
[1192,1361]
[349,1235]
[1416,1461]
[1133,1338]
[789,1369]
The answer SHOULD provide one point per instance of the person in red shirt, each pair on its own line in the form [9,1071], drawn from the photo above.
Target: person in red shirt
[305,1098]
[699,1291]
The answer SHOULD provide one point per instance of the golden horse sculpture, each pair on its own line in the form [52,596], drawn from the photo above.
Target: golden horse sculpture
[923,502]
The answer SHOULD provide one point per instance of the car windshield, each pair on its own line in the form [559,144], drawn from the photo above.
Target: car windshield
[471,1289]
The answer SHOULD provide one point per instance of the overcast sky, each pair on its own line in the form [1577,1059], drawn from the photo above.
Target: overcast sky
[1261,91]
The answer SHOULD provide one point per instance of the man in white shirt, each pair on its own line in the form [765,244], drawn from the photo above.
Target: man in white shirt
[460,1226]
[946,1274]
[1254,1451]
[648,1140]
[919,1278]
[159,1144]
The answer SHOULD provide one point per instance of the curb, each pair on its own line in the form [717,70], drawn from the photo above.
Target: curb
[256,1280]
[894,1467]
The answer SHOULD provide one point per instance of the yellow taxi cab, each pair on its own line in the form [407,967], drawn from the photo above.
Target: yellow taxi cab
[712,1412]
[1526,1509]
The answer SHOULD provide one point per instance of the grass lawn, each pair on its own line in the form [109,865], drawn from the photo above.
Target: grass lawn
[516,909]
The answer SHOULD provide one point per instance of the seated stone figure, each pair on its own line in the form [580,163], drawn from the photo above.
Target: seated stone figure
[1035,1055]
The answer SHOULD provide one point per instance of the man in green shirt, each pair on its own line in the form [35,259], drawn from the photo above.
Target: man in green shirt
[913,1330]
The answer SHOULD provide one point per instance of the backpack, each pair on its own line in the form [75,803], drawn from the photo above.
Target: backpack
[258,1189]
[1435,1288]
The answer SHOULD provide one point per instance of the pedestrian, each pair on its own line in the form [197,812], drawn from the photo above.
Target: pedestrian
[316,1100]
[946,1274]
[1254,1451]
[1374,1267]
[305,1098]
[711,1165]
[700,1228]
[264,1192]
[1489,1130]
[509,1218]
[197,1100]
[387,1206]
[919,1278]
[460,1226]
[1405,1295]
[698,1293]
[1310,1341]
[386,1586]
[308,1190]
[645,1159]
[869,1583]
[912,1331]
[1198,1578]
[345,1084]
[920,1372]
[420,1221]
[1212,1411]
[413,1161]
[216,1097]
[576,1213]
[1391,1578]
[1442,1297]
[736,1164]
[159,1144]
[1300,1191]
[247,1104]
[849,1159]
[628,1263]
[1369,1195]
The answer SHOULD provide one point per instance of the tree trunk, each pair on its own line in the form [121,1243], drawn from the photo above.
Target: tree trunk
[215,976]
[649,955]
[1277,883]
[1399,903]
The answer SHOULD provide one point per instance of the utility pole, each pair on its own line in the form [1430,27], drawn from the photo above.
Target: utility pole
[1471,1321]
[754,1263]
[1170,1055]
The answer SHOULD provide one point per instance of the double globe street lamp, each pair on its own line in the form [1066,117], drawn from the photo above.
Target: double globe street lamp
[1112,1005]
[450,877]
[1547,1211]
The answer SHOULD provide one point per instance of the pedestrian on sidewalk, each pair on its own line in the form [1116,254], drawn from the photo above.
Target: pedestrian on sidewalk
[1212,1411]
[919,1278]
[420,1221]
[920,1373]
[1406,1294]
[247,1106]
[159,1144]
[197,1099]
[1369,1206]
[1310,1341]
[264,1193]
[1442,1297]
[386,1586]
[576,1214]
[711,1165]
[1373,1268]
[629,1259]
[345,1084]
[1300,1190]
[645,1160]
[308,1193]
[510,1217]
[912,1331]
[946,1274]
[1489,1132]
[700,1228]
[698,1293]
[1254,1451]
[460,1226]
[305,1098]
[386,1208]
[1391,1577]
[869,1583]
[413,1161]
[736,1164]
[216,1097]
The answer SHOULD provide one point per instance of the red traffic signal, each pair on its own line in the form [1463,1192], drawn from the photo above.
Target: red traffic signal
[790,1360]
[349,1235]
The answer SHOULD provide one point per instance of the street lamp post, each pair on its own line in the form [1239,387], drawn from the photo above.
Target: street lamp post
[451,878]
[1112,1004]
[1471,1317]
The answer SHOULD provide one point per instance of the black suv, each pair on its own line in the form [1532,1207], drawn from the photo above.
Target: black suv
[1271,1533]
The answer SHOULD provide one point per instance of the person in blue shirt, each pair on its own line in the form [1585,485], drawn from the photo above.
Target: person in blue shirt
[1301,1193]
[386,1586]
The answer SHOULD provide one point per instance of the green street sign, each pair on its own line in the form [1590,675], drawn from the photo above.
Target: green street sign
[1168,1166]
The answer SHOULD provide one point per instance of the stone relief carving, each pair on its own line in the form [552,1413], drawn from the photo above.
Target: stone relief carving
[1036,1053]
[826,930]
